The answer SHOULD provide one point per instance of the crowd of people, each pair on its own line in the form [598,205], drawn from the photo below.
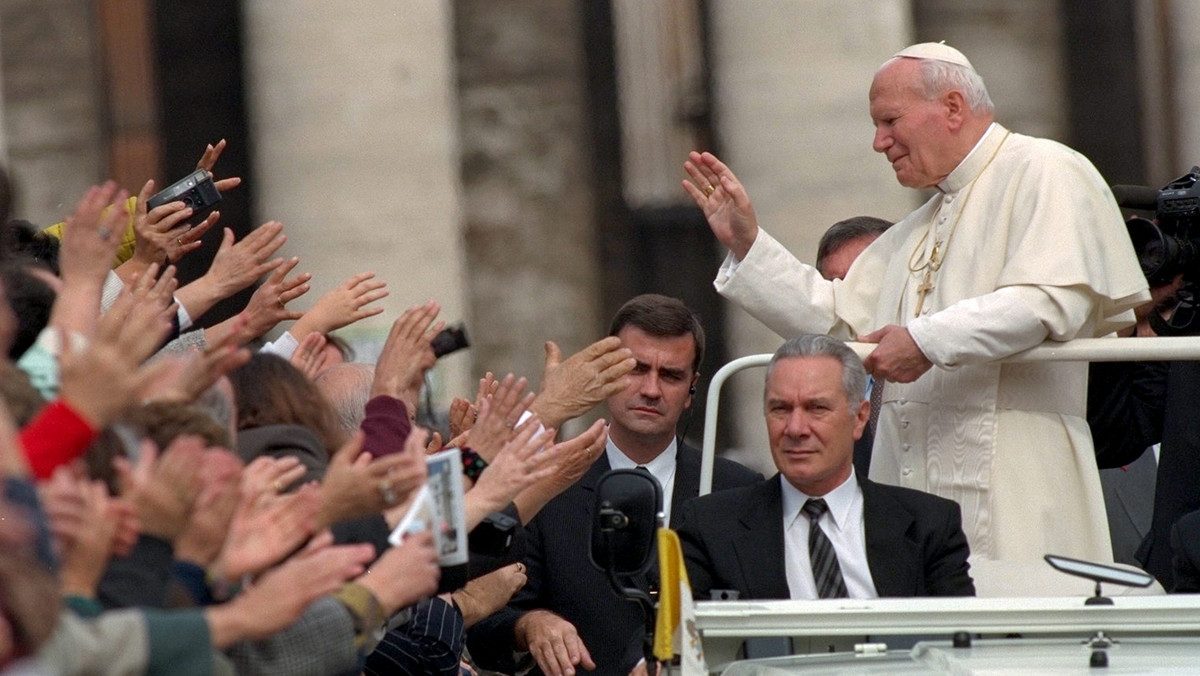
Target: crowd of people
[193,500]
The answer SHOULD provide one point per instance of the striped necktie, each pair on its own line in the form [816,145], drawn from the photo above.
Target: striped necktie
[826,571]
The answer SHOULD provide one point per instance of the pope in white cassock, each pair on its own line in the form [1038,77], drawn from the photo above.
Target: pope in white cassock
[1021,243]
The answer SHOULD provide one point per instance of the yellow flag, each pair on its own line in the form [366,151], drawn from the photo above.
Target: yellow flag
[675,627]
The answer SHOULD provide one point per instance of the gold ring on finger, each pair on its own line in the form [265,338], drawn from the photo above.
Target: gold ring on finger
[709,190]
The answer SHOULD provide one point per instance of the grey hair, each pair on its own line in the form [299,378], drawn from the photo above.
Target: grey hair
[854,376]
[347,386]
[939,77]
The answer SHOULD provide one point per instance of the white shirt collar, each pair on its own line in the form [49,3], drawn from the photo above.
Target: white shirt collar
[661,466]
[840,500]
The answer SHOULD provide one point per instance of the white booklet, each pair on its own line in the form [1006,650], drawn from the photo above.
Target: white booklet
[438,507]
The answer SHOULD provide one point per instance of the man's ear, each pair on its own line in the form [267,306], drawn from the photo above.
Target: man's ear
[955,105]
[692,389]
[862,418]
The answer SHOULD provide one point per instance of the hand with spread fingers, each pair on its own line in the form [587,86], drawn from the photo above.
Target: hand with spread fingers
[522,462]
[89,243]
[575,386]
[405,574]
[724,201]
[268,305]
[265,528]
[163,491]
[310,357]
[356,484]
[104,378]
[498,415]
[343,306]
[407,355]
[279,596]
[208,162]
[234,267]
[184,378]
[572,458]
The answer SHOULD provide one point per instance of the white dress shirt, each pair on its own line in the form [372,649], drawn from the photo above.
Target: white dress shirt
[662,468]
[843,525]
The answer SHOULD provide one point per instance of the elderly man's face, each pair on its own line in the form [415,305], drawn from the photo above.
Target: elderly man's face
[913,133]
[811,423]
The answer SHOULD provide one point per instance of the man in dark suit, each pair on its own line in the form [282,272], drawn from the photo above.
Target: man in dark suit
[567,615]
[817,530]
[836,252]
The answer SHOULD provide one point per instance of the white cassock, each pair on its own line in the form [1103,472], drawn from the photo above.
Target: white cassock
[1035,248]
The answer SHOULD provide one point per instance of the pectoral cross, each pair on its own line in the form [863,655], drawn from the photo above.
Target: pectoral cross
[923,290]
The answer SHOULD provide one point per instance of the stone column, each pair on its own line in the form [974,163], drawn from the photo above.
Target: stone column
[526,171]
[353,122]
[791,81]
[52,107]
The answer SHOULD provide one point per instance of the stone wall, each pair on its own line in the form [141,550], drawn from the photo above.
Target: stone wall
[53,113]
[528,205]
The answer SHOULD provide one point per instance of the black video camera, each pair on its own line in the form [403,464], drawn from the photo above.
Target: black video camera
[1169,246]
[196,190]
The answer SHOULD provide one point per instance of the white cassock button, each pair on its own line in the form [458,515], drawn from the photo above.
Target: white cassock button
[906,447]
[902,401]
[906,471]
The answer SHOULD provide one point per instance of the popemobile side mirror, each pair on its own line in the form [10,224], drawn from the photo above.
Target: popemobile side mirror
[624,522]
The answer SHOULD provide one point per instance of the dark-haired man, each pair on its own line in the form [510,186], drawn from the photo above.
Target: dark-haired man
[567,616]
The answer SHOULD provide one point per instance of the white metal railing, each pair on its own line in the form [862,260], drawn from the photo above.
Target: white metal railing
[1084,349]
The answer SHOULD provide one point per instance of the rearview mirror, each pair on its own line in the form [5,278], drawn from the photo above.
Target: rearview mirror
[624,521]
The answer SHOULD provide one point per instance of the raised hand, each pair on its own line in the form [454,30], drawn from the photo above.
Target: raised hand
[343,306]
[357,484]
[268,305]
[277,598]
[265,528]
[723,200]
[162,235]
[208,161]
[237,265]
[407,355]
[498,415]
[102,379]
[163,491]
[403,575]
[573,387]
[521,463]
[310,357]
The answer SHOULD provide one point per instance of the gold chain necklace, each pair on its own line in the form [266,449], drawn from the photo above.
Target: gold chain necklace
[937,255]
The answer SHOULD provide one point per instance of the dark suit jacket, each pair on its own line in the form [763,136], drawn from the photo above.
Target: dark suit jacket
[1185,540]
[1132,405]
[562,579]
[915,542]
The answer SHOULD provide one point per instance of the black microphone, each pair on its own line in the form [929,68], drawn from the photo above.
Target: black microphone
[1140,197]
